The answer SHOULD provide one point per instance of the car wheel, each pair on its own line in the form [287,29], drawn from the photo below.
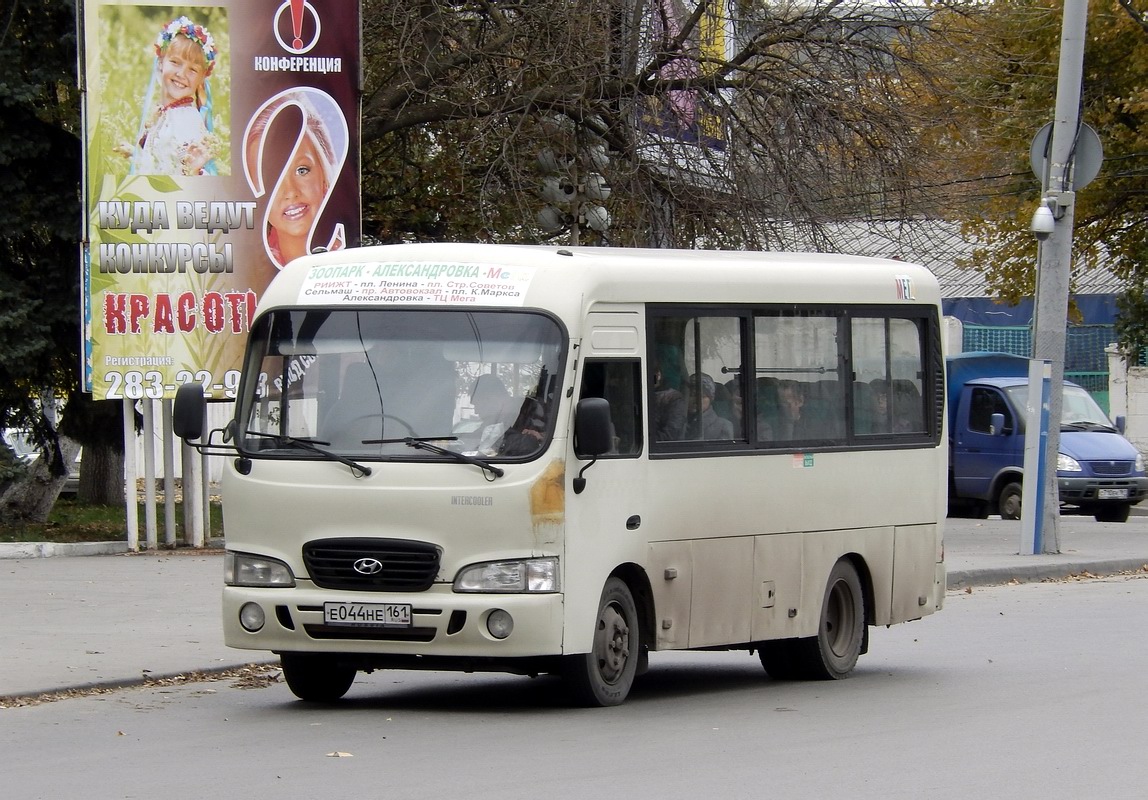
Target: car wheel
[1113,513]
[1008,505]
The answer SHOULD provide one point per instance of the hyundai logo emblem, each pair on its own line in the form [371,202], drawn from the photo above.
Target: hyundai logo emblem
[368,566]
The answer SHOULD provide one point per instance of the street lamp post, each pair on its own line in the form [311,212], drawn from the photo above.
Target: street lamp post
[1054,253]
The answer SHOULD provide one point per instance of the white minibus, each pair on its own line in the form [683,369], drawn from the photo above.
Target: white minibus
[548,460]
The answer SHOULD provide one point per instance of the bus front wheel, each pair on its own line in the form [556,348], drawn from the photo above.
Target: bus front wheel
[315,677]
[603,677]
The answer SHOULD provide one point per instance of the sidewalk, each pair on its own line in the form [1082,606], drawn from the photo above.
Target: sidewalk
[113,620]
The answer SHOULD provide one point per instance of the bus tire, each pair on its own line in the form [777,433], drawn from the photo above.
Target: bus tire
[316,678]
[1008,504]
[603,677]
[833,652]
[779,658]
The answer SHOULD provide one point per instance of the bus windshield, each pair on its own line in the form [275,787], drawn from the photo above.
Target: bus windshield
[367,384]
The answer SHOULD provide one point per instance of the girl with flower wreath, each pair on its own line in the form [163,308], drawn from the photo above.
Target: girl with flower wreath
[175,134]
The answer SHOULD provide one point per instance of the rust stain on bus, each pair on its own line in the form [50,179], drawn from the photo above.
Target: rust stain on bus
[548,500]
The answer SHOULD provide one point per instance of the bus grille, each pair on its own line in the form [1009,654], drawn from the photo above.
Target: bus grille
[384,565]
[1111,467]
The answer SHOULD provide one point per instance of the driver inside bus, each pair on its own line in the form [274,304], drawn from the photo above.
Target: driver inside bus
[508,428]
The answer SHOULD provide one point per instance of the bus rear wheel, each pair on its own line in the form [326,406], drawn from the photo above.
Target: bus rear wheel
[315,677]
[833,652]
[604,676]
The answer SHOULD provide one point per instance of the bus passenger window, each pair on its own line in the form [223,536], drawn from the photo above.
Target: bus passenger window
[618,382]
[697,383]
[888,364]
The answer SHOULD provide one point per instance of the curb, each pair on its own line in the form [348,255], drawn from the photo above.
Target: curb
[149,679]
[1027,573]
[49,549]
[13,550]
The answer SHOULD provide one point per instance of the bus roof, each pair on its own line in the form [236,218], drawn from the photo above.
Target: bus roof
[570,280]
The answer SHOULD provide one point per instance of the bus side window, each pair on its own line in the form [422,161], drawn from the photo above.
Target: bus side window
[618,381]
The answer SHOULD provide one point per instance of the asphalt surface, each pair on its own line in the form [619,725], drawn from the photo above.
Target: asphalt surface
[79,619]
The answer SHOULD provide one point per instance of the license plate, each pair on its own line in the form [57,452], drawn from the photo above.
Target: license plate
[367,615]
[1112,494]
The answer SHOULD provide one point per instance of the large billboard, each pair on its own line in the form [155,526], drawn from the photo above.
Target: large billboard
[683,131]
[221,142]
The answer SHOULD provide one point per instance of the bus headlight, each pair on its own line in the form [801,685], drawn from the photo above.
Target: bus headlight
[1067,463]
[527,575]
[244,569]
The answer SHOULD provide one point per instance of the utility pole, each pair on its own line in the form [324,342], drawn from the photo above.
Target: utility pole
[1054,251]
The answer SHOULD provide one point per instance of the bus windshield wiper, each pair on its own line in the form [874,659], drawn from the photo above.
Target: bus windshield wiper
[312,446]
[424,443]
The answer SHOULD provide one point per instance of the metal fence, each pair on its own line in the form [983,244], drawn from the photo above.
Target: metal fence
[1084,360]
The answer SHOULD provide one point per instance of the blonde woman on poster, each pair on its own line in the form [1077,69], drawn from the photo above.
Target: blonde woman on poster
[175,132]
[311,151]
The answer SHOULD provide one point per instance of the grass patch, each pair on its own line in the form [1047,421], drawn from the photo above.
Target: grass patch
[71,521]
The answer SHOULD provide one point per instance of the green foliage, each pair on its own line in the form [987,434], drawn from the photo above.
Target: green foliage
[73,521]
[1002,88]
[40,218]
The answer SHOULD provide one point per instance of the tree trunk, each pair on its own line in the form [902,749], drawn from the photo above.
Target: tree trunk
[31,498]
[101,476]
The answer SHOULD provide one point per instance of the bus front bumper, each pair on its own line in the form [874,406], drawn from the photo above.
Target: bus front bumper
[443,623]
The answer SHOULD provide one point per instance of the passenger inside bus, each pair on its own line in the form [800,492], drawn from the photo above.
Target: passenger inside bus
[895,407]
[669,410]
[703,421]
[780,410]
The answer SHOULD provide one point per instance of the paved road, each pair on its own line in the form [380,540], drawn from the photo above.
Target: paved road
[113,620]
[985,700]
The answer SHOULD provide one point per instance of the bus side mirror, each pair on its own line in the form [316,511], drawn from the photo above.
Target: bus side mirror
[187,413]
[592,435]
[996,424]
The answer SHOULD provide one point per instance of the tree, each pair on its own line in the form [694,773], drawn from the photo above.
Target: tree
[715,122]
[1004,74]
[39,246]
[792,113]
